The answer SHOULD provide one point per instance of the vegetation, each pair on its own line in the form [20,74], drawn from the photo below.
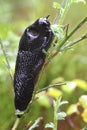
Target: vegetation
[64,72]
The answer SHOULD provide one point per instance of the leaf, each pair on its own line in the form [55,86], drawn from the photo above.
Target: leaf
[58,31]
[35,124]
[56,103]
[57,5]
[60,116]
[59,103]
[49,125]
[62,103]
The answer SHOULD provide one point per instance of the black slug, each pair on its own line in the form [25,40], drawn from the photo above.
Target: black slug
[30,60]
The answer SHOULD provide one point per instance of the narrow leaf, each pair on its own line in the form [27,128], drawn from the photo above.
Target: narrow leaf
[57,5]
[49,125]
[61,116]
[63,102]
[35,124]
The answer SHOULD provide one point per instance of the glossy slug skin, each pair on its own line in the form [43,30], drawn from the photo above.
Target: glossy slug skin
[30,60]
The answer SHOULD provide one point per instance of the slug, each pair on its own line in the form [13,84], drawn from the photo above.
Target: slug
[30,59]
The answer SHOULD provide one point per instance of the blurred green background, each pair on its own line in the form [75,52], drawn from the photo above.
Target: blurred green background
[69,66]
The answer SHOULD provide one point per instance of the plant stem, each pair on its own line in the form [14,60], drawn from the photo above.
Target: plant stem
[67,26]
[36,123]
[16,124]
[6,59]
[67,36]
[58,13]
[73,42]
[53,85]
[66,7]
[72,32]
[55,121]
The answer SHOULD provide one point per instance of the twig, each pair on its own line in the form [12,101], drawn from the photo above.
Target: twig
[53,85]
[38,91]
[72,32]
[6,59]
[66,7]
[36,123]
[16,124]
[70,44]
[65,40]
[58,13]
[67,27]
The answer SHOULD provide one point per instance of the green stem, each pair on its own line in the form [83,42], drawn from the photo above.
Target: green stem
[66,8]
[67,30]
[70,44]
[72,32]
[55,121]
[58,15]
[6,59]
[16,124]
[53,85]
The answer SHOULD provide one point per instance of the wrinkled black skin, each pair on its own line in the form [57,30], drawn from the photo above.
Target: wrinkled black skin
[30,60]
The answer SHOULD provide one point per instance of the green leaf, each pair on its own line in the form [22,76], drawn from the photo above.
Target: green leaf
[35,123]
[60,116]
[56,103]
[57,5]
[63,102]
[49,125]
[58,31]
[59,103]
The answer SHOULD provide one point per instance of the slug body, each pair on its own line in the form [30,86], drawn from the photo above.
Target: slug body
[30,60]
